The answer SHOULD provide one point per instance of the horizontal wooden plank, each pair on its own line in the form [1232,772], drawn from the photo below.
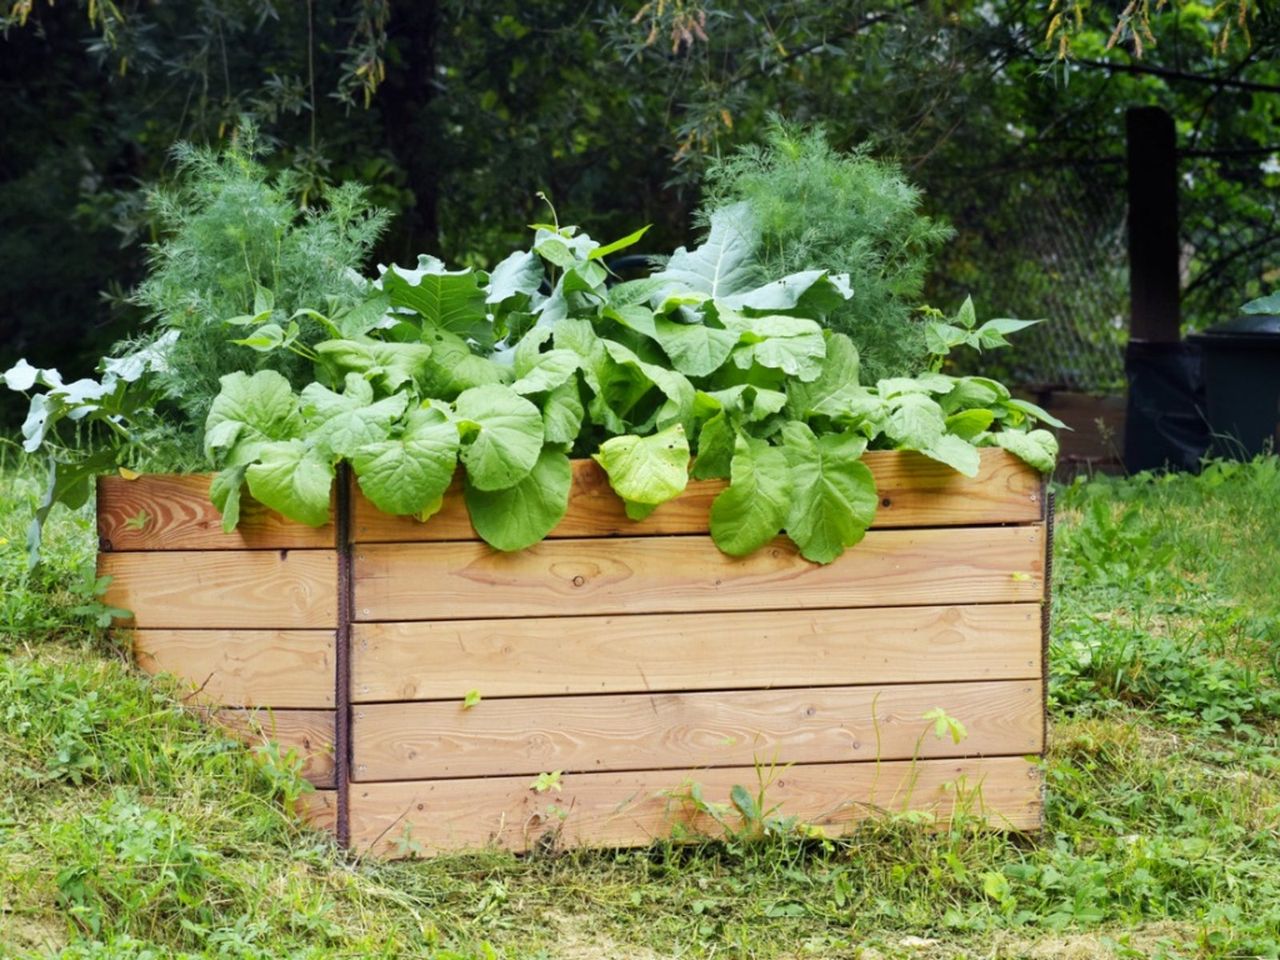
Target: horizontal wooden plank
[255,589]
[244,668]
[455,581]
[319,808]
[444,739]
[633,809]
[173,512]
[716,651]
[914,492]
[308,732]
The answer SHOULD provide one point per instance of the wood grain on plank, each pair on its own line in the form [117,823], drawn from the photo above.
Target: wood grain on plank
[444,739]
[244,668]
[255,589]
[173,512]
[914,492]
[699,651]
[453,581]
[307,732]
[319,808]
[632,809]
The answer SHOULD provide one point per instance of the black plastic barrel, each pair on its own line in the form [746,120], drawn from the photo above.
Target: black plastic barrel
[1241,365]
[1165,426]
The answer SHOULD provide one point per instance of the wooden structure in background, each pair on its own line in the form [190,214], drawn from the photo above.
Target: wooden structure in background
[632,660]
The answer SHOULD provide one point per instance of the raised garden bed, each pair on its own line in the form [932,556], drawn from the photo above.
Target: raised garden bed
[633,658]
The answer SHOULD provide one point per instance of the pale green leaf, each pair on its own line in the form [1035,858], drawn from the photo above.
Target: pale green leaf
[715,449]
[388,365]
[754,508]
[956,453]
[248,412]
[224,491]
[724,264]
[340,424]
[293,480]
[562,413]
[839,371]
[833,496]
[1037,447]
[452,300]
[502,436]
[408,473]
[523,514]
[649,470]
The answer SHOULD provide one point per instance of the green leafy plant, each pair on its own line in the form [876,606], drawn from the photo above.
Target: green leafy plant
[710,367]
[813,206]
[507,374]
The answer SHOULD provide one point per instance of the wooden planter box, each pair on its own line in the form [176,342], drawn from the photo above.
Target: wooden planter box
[634,658]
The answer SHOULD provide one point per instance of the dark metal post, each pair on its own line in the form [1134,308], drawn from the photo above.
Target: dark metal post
[1154,276]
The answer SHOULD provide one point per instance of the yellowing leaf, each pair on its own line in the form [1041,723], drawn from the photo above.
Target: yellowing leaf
[128,474]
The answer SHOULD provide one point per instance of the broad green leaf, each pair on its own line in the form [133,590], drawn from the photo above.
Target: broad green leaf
[556,252]
[971,392]
[695,349]
[266,338]
[452,300]
[815,292]
[340,424]
[634,291]
[453,367]
[502,436]
[408,473]
[724,264]
[833,496]
[549,371]
[562,413]
[638,511]
[622,244]
[248,412]
[794,345]
[956,453]
[224,491]
[1036,412]
[1037,447]
[966,316]
[915,421]
[937,383]
[968,424]
[521,515]
[389,365]
[519,274]
[754,508]
[941,338]
[839,370]
[715,449]
[673,385]
[634,316]
[649,470]
[293,480]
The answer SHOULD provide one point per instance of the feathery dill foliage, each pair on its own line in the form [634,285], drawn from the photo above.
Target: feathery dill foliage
[233,228]
[818,208]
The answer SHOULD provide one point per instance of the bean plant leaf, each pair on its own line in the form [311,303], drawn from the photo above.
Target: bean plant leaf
[292,479]
[523,514]
[1036,412]
[340,424]
[833,496]
[1037,447]
[968,424]
[406,474]
[725,263]
[754,508]
[249,412]
[647,470]
[502,436]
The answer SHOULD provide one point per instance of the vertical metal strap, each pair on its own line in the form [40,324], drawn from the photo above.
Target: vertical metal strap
[1046,615]
[342,693]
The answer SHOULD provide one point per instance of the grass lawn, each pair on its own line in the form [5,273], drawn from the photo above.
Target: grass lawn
[129,831]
